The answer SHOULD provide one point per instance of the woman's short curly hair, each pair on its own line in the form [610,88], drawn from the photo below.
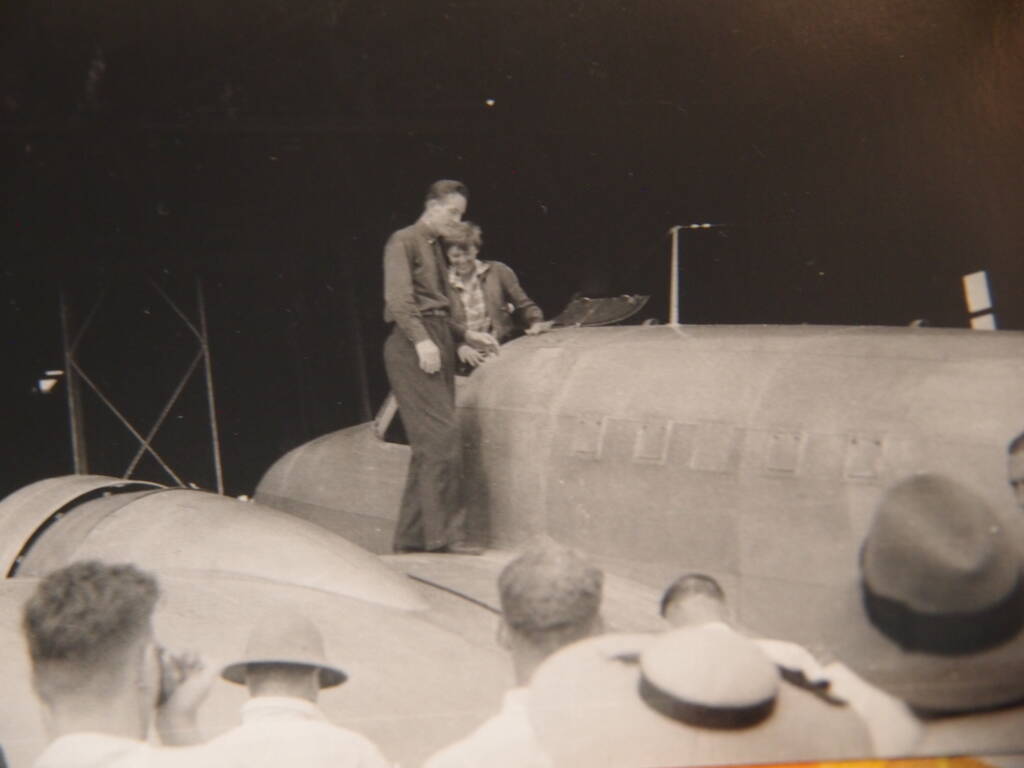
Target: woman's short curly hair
[465,233]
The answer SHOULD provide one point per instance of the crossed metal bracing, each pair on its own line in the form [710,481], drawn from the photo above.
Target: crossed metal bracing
[75,373]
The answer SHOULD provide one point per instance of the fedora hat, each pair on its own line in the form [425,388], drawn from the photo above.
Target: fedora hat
[700,695]
[936,616]
[285,637]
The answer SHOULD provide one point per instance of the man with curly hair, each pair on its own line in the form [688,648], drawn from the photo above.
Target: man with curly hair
[102,677]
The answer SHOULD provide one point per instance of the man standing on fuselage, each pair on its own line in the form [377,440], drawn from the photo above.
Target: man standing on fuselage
[419,357]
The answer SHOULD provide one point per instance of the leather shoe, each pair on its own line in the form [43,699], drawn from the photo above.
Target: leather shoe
[462,548]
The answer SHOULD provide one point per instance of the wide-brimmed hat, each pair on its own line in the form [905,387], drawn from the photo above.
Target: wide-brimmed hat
[936,616]
[693,696]
[285,637]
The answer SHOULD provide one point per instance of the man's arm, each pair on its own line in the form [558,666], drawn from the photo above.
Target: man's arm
[399,297]
[456,320]
[510,286]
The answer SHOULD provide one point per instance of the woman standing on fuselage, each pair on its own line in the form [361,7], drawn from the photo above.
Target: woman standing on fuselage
[488,292]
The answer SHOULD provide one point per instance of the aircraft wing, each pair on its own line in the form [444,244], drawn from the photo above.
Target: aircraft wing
[627,605]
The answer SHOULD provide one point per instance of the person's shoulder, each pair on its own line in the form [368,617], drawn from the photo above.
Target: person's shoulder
[501,269]
[320,738]
[505,739]
[993,732]
[351,743]
[86,748]
[410,232]
[344,736]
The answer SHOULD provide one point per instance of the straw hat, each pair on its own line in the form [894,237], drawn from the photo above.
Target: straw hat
[692,696]
[285,637]
[936,617]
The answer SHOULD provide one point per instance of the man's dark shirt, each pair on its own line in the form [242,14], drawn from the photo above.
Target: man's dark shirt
[415,281]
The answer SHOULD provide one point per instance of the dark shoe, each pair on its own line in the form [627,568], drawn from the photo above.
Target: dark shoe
[405,550]
[462,548]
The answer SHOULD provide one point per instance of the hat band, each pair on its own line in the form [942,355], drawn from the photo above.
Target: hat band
[948,633]
[702,715]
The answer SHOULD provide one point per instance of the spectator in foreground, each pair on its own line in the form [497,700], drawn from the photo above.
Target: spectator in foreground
[285,668]
[550,598]
[700,695]
[101,675]
[696,599]
[938,617]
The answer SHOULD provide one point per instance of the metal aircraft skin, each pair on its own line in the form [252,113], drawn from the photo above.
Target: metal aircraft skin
[423,666]
[754,453]
[423,663]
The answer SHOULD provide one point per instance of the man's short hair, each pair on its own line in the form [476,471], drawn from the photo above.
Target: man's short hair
[1016,445]
[691,584]
[550,590]
[443,187]
[80,613]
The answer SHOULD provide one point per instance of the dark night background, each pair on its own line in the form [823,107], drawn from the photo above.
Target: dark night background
[864,154]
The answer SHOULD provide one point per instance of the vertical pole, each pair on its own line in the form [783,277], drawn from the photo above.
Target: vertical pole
[673,280]
[79,455]
[205,343]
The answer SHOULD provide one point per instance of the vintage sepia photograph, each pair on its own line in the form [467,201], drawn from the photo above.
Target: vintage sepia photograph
[512,383]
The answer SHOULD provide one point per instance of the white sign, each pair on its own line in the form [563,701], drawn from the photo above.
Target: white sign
[976,291]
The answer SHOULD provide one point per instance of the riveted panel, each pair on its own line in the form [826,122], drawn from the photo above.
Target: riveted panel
[783,451]
[652,441]
[863,457]
[588,436]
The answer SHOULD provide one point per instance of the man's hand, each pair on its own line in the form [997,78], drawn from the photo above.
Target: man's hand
[429,355]
[185,684]
[542,326]
[469,355]
[482,341]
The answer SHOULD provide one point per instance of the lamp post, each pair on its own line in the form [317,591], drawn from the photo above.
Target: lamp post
[673,281]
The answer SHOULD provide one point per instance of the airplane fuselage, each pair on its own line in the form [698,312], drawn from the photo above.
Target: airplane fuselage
[755,453]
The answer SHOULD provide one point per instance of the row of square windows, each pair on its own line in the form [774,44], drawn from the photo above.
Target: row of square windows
[720,447]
